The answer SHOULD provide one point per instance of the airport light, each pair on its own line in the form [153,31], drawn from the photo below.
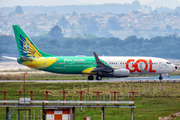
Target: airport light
[97,95]
[114,95]
[80,95]
[133,95]
[4,95]
[46,95]
[63,95]
[19,93]
[24,90]
[31,94]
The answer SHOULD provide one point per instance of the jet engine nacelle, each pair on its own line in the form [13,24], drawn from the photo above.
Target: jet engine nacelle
[121,73]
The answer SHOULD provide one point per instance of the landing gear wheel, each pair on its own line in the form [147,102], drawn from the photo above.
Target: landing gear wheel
[160,77]
[98,77]
[90,77]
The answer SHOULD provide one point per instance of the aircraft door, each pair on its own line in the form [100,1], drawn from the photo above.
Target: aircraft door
[160,64]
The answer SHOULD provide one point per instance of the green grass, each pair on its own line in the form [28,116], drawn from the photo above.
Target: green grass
[41,76]
[149,106]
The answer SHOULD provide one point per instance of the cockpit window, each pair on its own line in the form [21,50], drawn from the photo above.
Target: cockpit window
[168,63]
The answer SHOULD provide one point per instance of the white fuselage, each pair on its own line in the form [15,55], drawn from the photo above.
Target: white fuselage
[141,65]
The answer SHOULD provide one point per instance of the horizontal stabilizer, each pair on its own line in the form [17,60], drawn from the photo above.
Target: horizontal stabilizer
[12,58]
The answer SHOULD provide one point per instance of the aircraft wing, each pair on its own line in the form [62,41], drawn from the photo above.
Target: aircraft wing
[12,58]
[101,67]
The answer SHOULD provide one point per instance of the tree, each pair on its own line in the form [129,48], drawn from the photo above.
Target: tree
[131,39]
[92,26]
[136,5]
[177,11]
[168,28]
[155,28]
[113,24]
[74,13]
[63,22]
[83,20]
[56,32]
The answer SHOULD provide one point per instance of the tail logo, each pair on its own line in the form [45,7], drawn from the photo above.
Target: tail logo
[27,48]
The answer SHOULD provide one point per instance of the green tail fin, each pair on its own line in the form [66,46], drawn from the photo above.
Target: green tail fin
[25,45]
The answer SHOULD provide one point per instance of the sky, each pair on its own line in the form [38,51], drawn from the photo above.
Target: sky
[153,3]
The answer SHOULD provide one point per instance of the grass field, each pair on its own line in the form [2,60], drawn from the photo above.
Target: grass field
[153,100]
[40,76]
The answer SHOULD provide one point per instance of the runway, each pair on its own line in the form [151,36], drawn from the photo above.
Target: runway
[129,79]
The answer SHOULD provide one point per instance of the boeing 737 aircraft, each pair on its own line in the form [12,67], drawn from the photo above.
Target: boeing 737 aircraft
[100,67]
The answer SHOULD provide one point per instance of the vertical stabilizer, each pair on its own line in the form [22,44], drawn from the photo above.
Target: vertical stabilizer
[25,45]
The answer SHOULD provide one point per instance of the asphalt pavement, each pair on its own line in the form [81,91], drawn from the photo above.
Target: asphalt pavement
[128,79]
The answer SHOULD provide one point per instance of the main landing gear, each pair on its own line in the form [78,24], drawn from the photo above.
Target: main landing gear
[98,77]
[90,77]
[160,77]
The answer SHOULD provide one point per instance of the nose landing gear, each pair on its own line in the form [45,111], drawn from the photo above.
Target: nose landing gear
[160,77]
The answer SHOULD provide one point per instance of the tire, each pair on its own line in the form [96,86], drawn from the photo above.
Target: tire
[98,77]
[90,77]
[160,77]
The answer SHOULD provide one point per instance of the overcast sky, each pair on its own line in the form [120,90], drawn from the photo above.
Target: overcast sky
[152,3]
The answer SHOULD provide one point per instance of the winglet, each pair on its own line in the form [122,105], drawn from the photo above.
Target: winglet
[98,61]
[101,66]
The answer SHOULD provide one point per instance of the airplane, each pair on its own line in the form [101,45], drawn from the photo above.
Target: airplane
[100,67]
